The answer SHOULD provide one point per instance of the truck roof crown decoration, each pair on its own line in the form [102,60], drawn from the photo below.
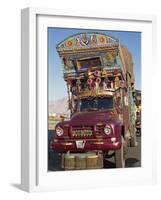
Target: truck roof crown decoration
[86,40]
[95,65]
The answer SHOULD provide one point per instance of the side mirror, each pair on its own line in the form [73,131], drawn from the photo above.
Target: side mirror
[62,117]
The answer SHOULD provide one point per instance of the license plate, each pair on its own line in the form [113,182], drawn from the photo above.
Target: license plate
[80,144]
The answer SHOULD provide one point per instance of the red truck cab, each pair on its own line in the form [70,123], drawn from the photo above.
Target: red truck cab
[95,126]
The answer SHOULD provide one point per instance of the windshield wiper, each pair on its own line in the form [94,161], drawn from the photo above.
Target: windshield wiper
[92,109]
[89,109]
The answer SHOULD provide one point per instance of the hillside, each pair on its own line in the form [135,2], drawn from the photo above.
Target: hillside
[59,106]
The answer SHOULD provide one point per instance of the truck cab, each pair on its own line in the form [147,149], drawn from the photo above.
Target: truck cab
[95,126]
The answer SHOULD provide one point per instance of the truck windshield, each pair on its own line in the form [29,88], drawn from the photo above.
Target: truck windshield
[96,104]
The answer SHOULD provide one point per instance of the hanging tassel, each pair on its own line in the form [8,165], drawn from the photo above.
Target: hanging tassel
[90,83]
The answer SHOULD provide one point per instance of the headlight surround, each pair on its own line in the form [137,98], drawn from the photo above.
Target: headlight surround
[107,130]
[59,131]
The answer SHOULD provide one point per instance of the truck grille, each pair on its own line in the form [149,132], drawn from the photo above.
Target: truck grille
[82,131]
[99,129]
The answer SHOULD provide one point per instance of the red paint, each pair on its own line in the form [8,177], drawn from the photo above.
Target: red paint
[69,43]
[89,120]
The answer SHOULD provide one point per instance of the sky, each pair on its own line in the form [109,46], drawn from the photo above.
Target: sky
[56,84]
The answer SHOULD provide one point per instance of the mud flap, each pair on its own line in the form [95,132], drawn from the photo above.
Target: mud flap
[120,155]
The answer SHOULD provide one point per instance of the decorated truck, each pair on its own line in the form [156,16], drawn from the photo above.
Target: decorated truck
[98,71]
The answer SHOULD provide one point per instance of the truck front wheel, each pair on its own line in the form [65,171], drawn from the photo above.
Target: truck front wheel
[120,155]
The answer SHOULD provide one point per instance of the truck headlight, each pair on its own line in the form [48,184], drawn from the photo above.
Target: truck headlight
[107,130]
[59,131]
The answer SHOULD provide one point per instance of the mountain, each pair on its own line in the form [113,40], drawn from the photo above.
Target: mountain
[59,106]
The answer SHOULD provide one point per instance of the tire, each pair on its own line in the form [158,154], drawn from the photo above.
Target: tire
[120,155]
[133,141]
